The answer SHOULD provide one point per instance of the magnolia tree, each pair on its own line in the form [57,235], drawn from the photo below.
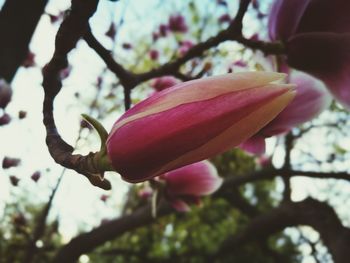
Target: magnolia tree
[225,104]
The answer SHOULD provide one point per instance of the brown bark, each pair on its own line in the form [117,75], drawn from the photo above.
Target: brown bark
[310,212]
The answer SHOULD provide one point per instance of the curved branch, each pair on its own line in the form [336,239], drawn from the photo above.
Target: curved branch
[234,32]
[71,30]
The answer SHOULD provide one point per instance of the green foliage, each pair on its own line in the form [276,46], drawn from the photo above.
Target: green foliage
[193,237]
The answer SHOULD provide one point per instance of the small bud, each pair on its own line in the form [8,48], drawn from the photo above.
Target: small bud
[225,18]
[8,162]
[177,23]
[5,119]
[104,198]
[36,176]
[14,180]
[22,114]
[154,54]
[29,61]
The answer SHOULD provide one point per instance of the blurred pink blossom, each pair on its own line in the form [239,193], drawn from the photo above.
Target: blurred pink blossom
[185,185]
[225,18]
[311,99]
[154,54]
[162,83]
[177,23]
[185,46]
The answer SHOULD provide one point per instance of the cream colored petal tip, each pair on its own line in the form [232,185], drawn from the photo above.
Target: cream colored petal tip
[258,77]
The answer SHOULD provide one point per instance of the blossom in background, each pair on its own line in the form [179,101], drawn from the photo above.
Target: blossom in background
[154,54]
[185,46]
[5,119]
[263,161]
[317,38]
[162,83]
[193,121]
[5,93]
[186,185]
[29,60]
[145,192]
[36,176]
[225,18]
[9,162]
[163,30]
[177,23]
[311,99]
[14,180]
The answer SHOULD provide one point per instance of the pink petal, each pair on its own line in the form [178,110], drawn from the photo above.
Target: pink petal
[254,145]
[196,179]
[311,99]
[285,16]
[326,16]
[326,56]
[180,205]
[177,23]
[162,83]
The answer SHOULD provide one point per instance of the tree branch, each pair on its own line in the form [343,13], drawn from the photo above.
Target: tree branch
[86,242]
[311,212]
[71,30]
[233,32]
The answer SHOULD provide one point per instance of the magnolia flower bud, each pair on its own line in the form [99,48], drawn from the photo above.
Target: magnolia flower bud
[193,121]
[317,38]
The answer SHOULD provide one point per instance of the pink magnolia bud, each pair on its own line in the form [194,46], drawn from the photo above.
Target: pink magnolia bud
[196,179]
[185,185]
[177,23]
[162,83]
[311,99]
[317,36]
[5,94]
[193,121]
